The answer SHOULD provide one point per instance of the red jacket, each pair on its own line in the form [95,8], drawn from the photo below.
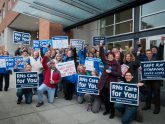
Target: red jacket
[56,74]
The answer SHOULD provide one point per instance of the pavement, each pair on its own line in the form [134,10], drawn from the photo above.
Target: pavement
[60,112]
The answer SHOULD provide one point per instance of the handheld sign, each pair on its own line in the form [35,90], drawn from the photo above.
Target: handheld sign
[60,42]
[78,43]
[36,44]
[124,69]
[87,84]
[98,39]
[66,68]
[124,93]
[21,37]
[2,62]
[153,70]
[26,80]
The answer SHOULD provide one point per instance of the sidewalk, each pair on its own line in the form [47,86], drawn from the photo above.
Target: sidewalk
[60,112]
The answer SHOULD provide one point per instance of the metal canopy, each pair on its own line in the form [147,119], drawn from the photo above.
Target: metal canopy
[67,12]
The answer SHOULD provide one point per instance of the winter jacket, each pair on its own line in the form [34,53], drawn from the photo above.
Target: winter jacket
[56,74]
[106,78]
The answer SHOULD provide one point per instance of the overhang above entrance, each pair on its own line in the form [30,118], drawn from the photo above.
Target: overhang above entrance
[68,12]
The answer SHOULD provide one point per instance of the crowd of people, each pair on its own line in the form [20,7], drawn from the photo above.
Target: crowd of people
[108,70]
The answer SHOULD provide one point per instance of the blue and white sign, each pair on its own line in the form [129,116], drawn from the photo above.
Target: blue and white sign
[26,80]
[87,84]
[124,93]
[21,37]
[36,44]
[98,39]
[3,61]
[153,70]
[60,42]
[77,43]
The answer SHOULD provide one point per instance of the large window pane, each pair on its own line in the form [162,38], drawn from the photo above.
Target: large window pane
[108,31]
[107,21]
[123,16]
[123,44]
[123,27]
[153,21]
[153,7]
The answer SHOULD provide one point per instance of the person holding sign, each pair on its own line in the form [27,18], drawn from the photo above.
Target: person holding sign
[4,74]
[52,77]
[129,112]
[112,70]
[153,86]
[24,91]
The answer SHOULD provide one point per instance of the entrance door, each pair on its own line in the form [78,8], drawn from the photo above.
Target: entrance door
[155,41]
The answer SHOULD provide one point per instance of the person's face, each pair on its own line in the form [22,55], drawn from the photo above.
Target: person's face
[5,53]
[149,54]
[53,53]
[81,69]
[36,54]
[93,73]
[58,57]
[128,77]
[91,55]
[28,68]
[131,49]
[110,57]
[97,54]
[49,53]
[93,50]
[117,56]
[69,54]
[52,64]
[128,57]
[25,53]
[154,50]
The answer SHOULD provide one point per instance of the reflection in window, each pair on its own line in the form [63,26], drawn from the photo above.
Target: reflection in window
[107,21]
[152,7]
[107,31]
[153,21]
[125,15]
[123,27]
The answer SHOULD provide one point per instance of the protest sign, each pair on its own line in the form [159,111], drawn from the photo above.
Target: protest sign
[21,37]
[2,62]
[36,44]
[66,68]
[60,42]
[153,70]
[124,69]
[87,84]
[26,80]
[89,64]
[124,93]
[98,39]
[77,43]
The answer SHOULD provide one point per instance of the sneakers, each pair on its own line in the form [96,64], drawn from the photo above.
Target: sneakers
[139,116]
[39,104]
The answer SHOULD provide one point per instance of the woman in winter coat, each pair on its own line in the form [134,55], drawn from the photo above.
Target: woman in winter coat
[111,72]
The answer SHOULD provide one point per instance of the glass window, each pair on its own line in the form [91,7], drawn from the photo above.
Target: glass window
[107,31]
[0,16]
[107,21]
[123,16]
[123,44]
[152,7]
[153,21]
[123,27]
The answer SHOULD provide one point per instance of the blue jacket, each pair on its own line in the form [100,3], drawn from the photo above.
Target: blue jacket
[4,71]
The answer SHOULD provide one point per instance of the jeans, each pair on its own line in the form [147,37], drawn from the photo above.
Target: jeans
[128,111]
[6,77]
[28,95]
[50,91]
